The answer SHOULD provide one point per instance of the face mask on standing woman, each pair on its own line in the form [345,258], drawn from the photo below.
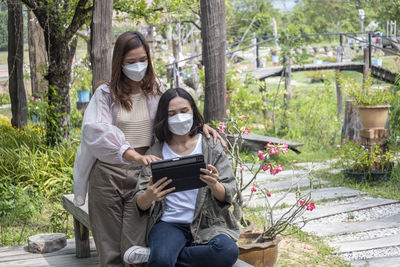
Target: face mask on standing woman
[135,71]
[181,123]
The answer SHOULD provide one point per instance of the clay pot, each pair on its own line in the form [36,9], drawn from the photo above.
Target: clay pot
[258,254]
[373,116]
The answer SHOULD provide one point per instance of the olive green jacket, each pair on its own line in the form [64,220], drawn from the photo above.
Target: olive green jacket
[211,217]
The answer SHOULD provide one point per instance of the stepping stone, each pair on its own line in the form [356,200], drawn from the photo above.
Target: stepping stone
[360,245]
[286,184]
[322,229]
[328,193]
[45,243]
[378,262]
[325,211]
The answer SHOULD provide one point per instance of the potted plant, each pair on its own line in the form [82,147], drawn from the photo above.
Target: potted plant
[260,248]
[82,80]
[377,60]
[359,162]
[36,108]
[373,102]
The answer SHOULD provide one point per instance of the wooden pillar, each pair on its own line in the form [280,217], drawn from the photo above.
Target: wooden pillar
[339,95]
[366,62]
[288,89]
[351,125]
[101,41]
[82,244]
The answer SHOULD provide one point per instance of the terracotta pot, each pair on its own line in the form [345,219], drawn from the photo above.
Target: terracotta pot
[373,116]
[258,254]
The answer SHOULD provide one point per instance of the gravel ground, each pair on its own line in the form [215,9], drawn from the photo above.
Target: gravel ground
[361,215]
[367,235]
[373,253]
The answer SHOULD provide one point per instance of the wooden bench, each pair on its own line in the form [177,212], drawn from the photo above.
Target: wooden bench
[257,142]
[82,227]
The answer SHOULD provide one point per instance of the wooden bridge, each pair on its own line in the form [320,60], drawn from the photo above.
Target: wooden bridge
[376,71]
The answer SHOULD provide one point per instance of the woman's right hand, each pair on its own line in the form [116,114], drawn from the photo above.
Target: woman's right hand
[155,192]
[146,159]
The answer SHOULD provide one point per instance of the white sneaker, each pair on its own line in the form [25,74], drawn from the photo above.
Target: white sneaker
[136,254]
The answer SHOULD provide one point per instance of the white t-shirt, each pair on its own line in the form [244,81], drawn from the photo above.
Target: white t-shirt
[180,205]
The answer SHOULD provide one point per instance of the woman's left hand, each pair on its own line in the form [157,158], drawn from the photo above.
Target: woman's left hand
[210,176]
[207,130]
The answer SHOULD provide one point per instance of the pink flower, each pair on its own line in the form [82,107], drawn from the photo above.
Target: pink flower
[241,168]
[261,155]
[301,202]
[254,189]
[244,116]
[277,170]
[310,206]
[265,167]
[268,193]
[246,131]
[222,127]
[284,148]
[274,150]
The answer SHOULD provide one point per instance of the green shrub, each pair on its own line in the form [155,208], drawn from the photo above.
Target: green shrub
[30,164]
[4,99]
[16,206]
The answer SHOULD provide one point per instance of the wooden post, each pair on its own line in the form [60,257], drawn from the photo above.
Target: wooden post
[82,244]
[288,89]
[366,62]
[339,96]
[101,41]
[351,125]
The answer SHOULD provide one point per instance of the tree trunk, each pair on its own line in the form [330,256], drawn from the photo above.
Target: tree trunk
[213,33]
[101,41]
[15,64]
[37,56]
[59,77]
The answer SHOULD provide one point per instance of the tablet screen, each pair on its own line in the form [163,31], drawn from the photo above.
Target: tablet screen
[184,172]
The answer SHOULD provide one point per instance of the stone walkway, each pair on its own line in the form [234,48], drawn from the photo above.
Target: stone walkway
[364,230]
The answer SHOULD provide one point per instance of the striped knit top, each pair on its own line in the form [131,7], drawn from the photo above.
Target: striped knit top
[136,123]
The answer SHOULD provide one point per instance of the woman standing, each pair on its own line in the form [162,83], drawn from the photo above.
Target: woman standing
[192,227]
[117,130]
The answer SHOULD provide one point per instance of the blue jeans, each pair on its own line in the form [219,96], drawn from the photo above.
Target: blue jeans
[171,244]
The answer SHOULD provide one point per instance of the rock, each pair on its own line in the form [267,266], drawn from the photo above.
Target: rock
[45,243]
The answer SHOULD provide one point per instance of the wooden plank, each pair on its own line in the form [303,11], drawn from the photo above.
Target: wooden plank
[330,229]
[360,245]
[81,239]
[80,213]
[59,261]
[17,253]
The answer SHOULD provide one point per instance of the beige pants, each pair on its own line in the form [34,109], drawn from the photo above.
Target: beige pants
[113,216]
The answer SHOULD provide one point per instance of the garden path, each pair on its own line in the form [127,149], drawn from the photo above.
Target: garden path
[364,230]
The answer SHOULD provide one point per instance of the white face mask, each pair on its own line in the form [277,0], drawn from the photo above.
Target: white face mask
[181,123]
[135,71]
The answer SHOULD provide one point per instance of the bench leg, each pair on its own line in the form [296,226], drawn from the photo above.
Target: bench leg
[82,244]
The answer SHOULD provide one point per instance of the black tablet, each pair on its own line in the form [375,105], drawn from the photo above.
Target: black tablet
[184,172]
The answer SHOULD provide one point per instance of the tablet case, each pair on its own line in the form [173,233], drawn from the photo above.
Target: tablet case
[184,172]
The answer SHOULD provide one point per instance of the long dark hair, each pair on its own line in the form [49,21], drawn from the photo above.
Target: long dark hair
[161,120]
[118,86]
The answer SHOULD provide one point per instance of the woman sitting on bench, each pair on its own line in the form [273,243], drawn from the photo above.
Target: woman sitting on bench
[193,227]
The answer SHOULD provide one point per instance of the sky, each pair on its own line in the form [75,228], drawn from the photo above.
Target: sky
[284,5]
